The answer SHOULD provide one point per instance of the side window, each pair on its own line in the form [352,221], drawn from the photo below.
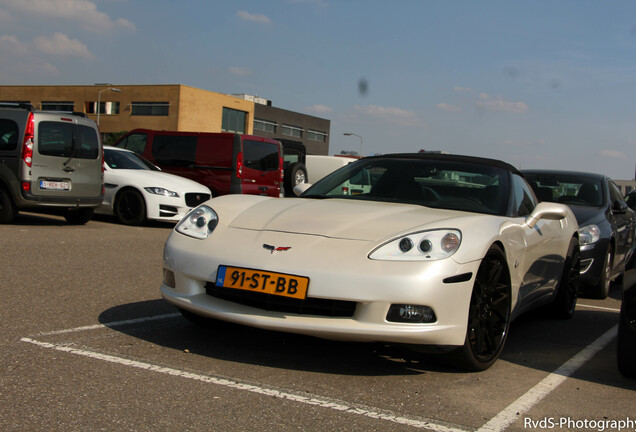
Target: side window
[8,134]
[524,200]
[174,150]
[55,138]
[135,142]
[89,142]
[260,156]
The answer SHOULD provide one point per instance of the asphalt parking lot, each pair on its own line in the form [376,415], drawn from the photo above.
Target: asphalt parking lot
[87,344]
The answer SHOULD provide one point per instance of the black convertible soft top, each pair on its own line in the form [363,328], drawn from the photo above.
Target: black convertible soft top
[450,158]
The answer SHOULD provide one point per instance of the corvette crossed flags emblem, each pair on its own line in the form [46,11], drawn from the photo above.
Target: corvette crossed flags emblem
[273,249]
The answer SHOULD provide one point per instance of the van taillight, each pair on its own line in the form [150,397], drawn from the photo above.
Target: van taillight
[27,144]
[239,165]
[280,168]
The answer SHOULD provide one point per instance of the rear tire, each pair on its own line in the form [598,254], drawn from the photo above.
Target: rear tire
[488,315]
[130,207]
[79,217]
[7,208]
[567,290]
[626,348]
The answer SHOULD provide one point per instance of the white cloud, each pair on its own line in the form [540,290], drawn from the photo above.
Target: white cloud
[60,45]
[449,107]
[240,71]
[84,12]
[462,89]
[12,44]
[259,18]
[319,109]
[397,116]
[612,154]
[500,105]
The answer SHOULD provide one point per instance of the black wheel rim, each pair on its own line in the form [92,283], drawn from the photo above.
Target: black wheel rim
[129,207]
[489,314]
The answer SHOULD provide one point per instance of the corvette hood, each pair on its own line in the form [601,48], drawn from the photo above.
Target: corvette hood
[336,218]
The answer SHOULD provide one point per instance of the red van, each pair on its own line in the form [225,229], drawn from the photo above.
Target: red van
[224,162]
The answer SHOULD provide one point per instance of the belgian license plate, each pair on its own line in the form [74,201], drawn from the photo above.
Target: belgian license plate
[55,185]
[262,281]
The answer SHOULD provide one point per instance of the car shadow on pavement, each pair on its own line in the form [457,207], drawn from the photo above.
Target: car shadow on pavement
[536,341]
[232,342]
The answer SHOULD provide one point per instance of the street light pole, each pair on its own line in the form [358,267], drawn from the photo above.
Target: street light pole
[99,100]
[351,133]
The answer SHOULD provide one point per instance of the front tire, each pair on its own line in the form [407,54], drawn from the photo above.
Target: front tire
[568,287]
[488,315]
[601,290]
[130,207]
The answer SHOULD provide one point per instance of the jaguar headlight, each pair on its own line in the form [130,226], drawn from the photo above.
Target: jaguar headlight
[199,223]
[589,234]
[161,191]
[420,246]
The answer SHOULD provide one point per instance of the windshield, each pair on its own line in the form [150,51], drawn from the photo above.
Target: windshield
[432,183]
[567,188]
[117,159]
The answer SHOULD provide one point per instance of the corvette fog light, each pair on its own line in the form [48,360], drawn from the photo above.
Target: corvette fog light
[410,314]
[168,279]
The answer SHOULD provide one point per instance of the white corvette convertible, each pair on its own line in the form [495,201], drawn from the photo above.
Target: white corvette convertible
[136,190]
[431,250]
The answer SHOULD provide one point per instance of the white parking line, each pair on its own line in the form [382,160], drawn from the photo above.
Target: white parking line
[314,400]
[522,405]
[497,424]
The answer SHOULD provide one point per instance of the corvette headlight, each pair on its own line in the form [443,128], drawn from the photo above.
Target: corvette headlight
[589,234]
[420,246]
[161,191]
[199,223]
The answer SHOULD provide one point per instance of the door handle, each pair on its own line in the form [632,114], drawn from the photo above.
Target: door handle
[68,169]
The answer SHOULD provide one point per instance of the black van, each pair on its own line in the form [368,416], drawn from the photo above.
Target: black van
[224,162]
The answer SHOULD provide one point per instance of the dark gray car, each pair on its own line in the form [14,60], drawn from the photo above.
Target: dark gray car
[49,162]
[606,223]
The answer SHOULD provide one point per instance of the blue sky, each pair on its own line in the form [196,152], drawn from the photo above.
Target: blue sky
[539,84]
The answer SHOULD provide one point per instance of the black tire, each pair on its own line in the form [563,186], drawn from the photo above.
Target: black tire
[79,217]
[488,315]
[7,208]
[568,287]
[130,207]
[601,289]
[626,348]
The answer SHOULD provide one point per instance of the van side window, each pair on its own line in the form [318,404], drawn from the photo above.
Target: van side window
[89,143]
[8,134]
[174,150]
[260,156]
[55,138]
[135,142]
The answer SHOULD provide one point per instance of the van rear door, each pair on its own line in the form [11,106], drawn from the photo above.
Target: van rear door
[66,160]
[261,170]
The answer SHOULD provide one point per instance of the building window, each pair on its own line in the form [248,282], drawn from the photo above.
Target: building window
[104,107]
[292,131]
[264,126]
[149,108]
[316,135]
[233,120]
[58,106]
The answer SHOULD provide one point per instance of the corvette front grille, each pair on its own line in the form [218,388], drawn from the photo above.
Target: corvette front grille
[309,306]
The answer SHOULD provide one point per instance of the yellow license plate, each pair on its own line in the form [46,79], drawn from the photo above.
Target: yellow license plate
[262,281]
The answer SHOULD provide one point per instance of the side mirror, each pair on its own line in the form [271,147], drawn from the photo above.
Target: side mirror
[619,207]
[299,189]
[547,210]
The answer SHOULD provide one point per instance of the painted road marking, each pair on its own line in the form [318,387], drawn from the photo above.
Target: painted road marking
[497,424]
